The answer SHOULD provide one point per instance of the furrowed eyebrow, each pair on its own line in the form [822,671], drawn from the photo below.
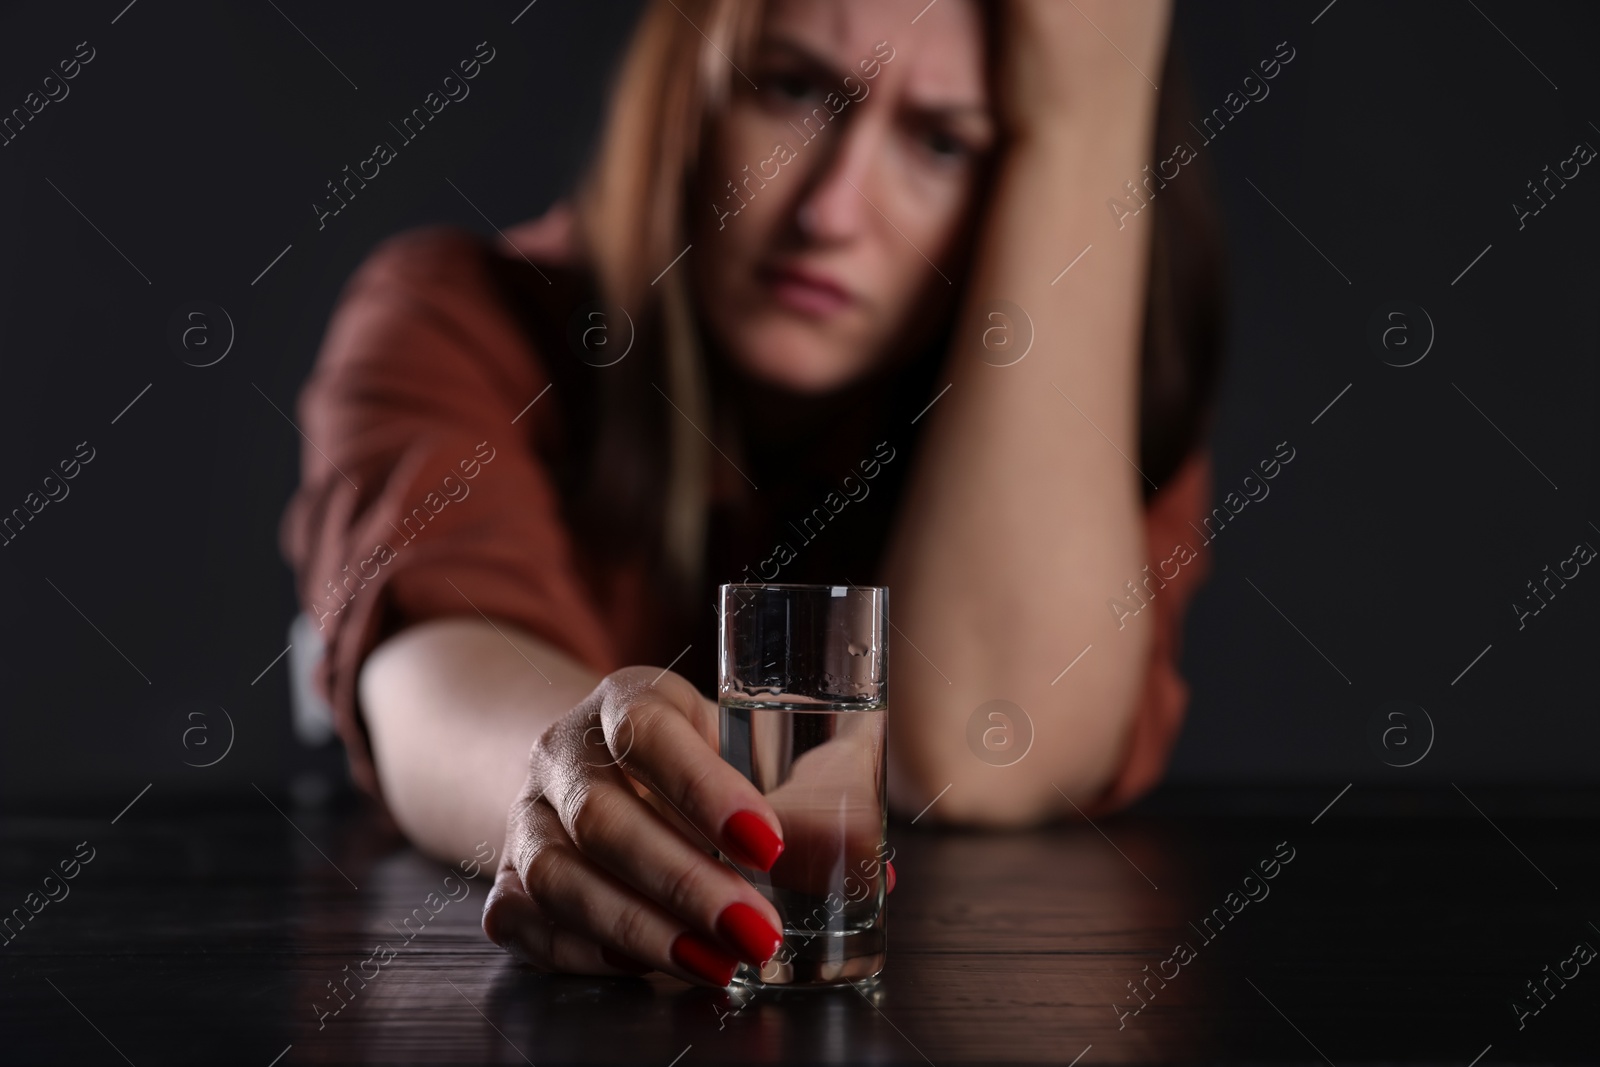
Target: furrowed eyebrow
[821,67]
[955,112]
[814,61]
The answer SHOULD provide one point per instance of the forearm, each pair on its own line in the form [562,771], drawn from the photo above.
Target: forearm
[452,707]
[1021,516]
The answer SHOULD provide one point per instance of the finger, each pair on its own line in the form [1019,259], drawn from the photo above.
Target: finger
[583,897]
[613,827]
[514,922]
[660,746]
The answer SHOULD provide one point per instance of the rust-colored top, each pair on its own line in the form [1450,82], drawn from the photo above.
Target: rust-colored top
[429,490]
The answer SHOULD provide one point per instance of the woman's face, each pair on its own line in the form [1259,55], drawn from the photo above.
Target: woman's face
[835,195]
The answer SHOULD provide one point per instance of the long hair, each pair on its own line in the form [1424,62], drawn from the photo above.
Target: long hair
[647,482]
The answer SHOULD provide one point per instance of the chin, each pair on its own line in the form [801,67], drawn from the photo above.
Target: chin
[796,357]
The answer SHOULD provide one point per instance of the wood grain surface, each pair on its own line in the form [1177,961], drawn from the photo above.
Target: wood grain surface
[1404,928]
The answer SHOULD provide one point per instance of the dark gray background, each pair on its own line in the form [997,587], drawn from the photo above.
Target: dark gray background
[1396,141]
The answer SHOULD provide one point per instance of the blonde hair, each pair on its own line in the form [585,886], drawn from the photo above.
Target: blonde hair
[631,211]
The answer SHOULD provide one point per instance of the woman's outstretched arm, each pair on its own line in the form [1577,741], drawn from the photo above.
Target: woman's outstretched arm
[452,707]
[424,512]
[1024,514]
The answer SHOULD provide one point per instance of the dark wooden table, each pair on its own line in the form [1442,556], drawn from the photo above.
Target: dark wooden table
[1404,928]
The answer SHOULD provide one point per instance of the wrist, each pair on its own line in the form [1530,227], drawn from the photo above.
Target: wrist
[1087,72]
[1082,122]
[1075,160]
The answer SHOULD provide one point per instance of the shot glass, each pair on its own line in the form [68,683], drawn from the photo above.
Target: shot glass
[803,693]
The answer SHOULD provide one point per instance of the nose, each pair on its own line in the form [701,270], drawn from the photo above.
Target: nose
[833,208]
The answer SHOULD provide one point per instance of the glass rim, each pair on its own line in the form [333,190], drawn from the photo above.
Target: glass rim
[800,585]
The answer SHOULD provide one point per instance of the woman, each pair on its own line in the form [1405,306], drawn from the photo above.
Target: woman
[806,320]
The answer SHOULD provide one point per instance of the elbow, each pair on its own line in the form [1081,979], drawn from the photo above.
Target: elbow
[960,791]
[1046,752]
[1055,769]
[988,809]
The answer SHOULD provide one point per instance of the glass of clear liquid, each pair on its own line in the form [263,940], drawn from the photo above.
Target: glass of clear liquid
[803,693]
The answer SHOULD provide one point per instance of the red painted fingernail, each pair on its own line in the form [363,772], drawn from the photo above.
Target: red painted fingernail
[891,877]
[742,925]
[625,963]
[700,958]
[751,834]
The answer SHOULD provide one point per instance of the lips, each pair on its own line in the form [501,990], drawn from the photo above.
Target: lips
[808,292]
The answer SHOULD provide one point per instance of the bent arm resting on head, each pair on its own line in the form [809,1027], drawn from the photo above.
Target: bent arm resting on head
[1023,512]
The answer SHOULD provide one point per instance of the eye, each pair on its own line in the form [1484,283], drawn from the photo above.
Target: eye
[789,86]
[945,145]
